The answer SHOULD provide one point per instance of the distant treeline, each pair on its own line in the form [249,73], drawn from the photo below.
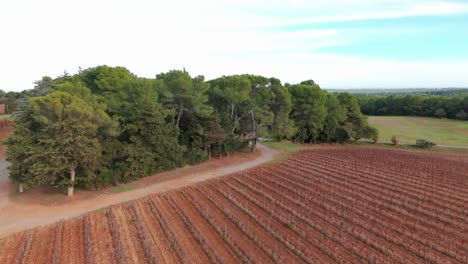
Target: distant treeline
[105,125]
[454,106]
[403,91]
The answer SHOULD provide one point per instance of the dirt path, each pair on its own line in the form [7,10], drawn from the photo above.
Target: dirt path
[20,214]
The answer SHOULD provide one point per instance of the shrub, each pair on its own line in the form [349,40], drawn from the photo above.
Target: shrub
[422,143]
[462,115]
[371,133]
[440,113]
[395,141]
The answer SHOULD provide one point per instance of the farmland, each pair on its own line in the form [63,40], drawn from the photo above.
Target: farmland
[326,205]
[408,129]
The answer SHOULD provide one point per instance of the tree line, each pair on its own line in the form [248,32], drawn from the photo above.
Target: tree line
[16,102]
[105,125]
[454,106]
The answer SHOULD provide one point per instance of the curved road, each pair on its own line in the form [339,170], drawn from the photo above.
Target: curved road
[15,218]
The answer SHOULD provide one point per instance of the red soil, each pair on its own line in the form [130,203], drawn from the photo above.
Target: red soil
[327,205]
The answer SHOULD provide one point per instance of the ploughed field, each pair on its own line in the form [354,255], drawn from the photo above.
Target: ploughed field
[326,205]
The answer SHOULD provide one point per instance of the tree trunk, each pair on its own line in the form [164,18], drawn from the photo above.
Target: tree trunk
[208,152]
[234,125]
[232,110]
[72,178]
[179,115]
[233,129]
[254,144]
[21,188]
[254,128]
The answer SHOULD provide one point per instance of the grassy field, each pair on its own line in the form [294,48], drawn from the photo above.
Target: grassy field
[408,129]
[122,188]
[285,146]
[4,117]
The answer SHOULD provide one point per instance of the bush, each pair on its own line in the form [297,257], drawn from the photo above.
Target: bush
[371,133]
[440,113]
[395,141]
[462,115]
[422,143]
[229,146]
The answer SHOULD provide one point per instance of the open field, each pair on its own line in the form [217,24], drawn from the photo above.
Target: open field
[408,129]
[285,146]
[5,117]
[327,205]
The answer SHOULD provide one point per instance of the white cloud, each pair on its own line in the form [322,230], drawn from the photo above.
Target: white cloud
[406,10]
[207,37]
[280,13]
[332,71]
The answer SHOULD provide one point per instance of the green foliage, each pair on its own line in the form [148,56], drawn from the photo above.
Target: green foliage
[251,105]
[462,115]
[58,135]
[422,143]
[183,94]
[440,113]
[371,133]
[309,111]
[355,123]
[123,188]
[285,146]
[152,146]
[429,105]
[282,126]
[230,97]
[21,145]
[104,79]
[109,126]
[333,130]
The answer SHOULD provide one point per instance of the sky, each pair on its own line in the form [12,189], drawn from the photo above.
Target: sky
[338,44]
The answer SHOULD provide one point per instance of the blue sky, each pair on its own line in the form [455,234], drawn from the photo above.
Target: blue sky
[337,43]
[406,39]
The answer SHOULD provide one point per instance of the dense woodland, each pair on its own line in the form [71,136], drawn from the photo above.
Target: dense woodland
[105,125]
[452,105]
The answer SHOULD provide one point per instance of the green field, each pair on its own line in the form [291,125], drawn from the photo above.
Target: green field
[408,129]
[285,146]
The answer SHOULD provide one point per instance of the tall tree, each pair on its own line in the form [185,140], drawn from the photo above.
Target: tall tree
[260,101]
[138,126]
[62,135]
[108,84]
[184,94]
[281,106]
[21,145]
[333,125]
[230,96]
[309,111]
[355,122]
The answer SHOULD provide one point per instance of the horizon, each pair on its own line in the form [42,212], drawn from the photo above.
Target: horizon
[357,44]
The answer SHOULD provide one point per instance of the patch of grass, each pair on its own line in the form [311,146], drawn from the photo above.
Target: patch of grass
[285,146]
[282,156]
[14,195]
[4,117]
[122,188]
[408,129]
